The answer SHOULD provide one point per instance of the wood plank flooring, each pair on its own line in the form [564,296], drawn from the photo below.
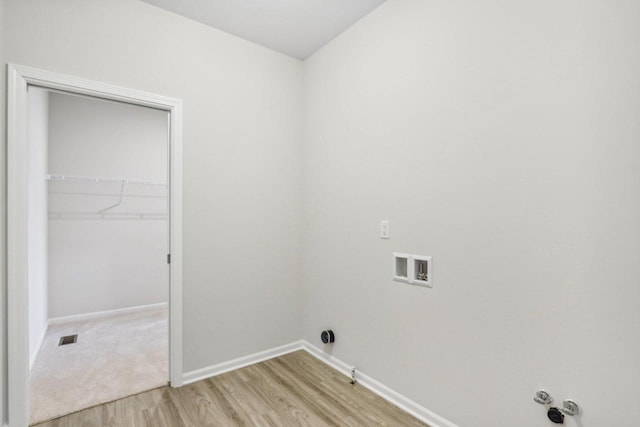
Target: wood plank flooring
[292,390]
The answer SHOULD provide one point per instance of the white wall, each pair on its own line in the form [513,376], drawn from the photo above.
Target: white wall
[502,139]
[38,116]
[241,155]
[104,263]
[3,224]
[91,137]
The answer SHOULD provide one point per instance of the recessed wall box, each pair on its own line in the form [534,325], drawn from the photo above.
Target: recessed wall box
[422,271]
[401,267]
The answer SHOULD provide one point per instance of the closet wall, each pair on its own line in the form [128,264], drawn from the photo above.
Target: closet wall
[100,258]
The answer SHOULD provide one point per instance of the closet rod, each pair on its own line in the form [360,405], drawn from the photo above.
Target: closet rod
[95,179]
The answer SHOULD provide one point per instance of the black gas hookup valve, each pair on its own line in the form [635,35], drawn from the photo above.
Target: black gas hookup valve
[555,416]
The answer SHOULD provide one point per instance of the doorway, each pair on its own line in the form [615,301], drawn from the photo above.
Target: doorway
[20,267]
[98,218]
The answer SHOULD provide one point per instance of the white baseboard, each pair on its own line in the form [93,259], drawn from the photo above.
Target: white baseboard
[33,356]
[241,362]
[402,402]
[107,313]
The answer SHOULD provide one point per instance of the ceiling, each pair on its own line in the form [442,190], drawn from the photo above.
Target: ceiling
[296,28]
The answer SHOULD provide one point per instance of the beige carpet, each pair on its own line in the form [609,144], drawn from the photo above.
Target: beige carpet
[114,357]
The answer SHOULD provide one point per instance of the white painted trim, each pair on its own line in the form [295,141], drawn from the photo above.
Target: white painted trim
[17,272]
[19,78]
[175,245]
[33,356]
[241,362]
[106,313]
[402,402]
[329,359]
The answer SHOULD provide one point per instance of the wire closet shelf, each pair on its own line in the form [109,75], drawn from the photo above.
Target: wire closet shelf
[158,191]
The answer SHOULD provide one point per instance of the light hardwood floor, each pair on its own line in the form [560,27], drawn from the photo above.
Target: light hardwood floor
[292,390]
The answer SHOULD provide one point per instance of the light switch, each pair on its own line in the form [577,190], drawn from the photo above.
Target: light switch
[384,229]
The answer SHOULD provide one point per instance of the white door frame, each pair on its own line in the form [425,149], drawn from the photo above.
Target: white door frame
[19,78]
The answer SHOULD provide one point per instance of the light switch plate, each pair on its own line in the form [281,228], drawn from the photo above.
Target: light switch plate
[384,229]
